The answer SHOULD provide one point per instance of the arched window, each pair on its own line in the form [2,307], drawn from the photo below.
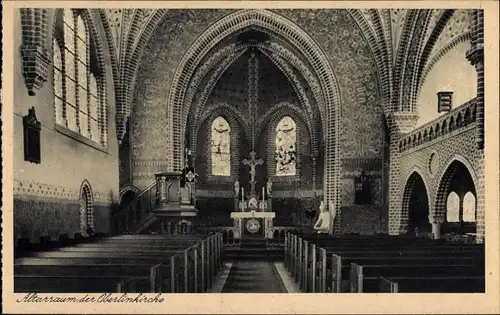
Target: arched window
[77,77]
[286,147]
[86,209]
[469,207]
[221,151]
[453,207]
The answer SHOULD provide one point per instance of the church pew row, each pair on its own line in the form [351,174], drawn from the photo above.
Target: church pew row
[437,284]
[334,269]
[302,270]
[178,272]
[305,262]
[189,270]
[366,278]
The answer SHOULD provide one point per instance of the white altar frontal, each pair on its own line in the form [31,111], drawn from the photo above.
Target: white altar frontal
[252,223]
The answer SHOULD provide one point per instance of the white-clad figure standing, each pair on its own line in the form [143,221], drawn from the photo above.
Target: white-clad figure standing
[323,223]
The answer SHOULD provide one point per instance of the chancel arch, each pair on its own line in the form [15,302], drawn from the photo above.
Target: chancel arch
[266,22]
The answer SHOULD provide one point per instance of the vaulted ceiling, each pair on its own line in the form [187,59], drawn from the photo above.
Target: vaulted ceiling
[405,44]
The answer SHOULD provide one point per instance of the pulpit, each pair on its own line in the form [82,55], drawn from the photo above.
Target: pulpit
[176,204]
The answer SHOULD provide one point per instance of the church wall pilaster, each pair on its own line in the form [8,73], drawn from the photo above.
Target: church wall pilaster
[400,123]
[476,57]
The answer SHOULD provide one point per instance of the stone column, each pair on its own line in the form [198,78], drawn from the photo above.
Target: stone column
[436,222]
[400,123]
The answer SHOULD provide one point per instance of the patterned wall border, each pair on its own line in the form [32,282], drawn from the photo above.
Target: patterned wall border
[24,189]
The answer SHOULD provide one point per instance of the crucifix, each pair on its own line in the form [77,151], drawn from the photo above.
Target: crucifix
[252,162]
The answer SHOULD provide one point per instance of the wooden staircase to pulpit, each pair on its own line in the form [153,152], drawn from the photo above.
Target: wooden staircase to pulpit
[166,206]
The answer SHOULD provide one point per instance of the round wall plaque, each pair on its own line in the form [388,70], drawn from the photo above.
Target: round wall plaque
[433,163]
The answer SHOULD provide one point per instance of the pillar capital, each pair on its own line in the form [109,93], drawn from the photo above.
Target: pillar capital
[402,122]
[475,55]
[433,219]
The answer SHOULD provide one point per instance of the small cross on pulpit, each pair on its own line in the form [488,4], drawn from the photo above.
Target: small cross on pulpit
[252,162]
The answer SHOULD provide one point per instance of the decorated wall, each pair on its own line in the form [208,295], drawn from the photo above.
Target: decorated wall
[47,195]
[162,54]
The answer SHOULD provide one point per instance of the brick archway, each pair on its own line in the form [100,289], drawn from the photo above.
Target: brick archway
[416,188]
[265,21]
[446,180]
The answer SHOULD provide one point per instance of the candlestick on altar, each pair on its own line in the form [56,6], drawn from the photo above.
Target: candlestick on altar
[262,193]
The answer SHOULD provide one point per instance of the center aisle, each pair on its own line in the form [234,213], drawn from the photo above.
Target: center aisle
[253,277]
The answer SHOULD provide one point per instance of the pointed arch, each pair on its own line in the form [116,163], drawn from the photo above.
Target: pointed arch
[220,147]
[286,147]
[86,208]
[416,191]
[270,22]
[446,177]
[75,35]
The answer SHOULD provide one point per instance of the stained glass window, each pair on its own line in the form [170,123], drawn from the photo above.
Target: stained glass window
[286,147]
[453,207]
[58,83]
[469,207]
[221,154]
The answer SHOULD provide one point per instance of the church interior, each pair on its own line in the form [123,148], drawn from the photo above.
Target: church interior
[195,150]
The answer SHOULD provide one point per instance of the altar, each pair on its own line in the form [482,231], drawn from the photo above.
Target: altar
[253,214]
[252,223]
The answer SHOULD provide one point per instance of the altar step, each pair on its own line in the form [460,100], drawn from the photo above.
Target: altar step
[247,254]
[254,249]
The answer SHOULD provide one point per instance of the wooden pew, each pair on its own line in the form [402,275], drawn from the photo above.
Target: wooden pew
[312,259]
[296,253]
[341,264]
[454,284]
[188,276]
[67,278]
[72,284]
[366,278]
[175,270]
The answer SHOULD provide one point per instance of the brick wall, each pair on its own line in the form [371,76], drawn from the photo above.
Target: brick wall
[458,146]
[47,195]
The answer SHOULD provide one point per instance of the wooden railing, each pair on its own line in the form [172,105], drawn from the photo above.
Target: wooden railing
[458,118]
[276,235]
[134,214]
